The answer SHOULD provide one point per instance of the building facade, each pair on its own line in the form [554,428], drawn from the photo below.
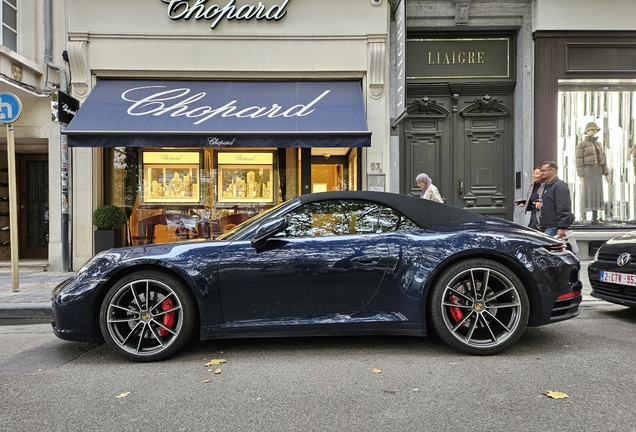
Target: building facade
[585,111]
[468,102]
[197,115]
[33,69]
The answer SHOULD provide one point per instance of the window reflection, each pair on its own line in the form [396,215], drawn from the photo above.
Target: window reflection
[392,220]
[334,218]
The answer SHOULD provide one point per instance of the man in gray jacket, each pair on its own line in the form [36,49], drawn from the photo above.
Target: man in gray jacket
[556,208]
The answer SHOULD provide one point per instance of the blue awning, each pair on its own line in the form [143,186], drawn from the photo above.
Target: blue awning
[152,113]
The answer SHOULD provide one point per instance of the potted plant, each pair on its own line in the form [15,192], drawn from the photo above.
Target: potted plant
[108,220]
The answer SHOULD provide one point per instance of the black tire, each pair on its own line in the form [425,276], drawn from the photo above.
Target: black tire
[471,324]
[147,316]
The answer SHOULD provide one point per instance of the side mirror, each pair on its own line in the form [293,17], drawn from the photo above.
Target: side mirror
[268,229]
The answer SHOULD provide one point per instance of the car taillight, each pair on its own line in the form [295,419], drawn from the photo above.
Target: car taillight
[557,249]
[569,295]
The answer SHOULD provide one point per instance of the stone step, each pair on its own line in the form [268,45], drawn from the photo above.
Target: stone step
[24,266]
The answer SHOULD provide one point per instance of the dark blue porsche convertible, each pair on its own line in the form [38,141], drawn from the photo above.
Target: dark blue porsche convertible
[334,263]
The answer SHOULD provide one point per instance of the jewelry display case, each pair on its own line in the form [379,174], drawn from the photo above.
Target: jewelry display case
[245,177]
[171,177]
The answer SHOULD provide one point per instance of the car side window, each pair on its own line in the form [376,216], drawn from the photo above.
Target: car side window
[333,218]
[392,220]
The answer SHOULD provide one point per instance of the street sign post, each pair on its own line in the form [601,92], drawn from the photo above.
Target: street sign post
[10,110]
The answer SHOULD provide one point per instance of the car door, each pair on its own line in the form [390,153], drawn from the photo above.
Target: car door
[329,260]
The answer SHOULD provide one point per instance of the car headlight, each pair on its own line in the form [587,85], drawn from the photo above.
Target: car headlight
[90,261]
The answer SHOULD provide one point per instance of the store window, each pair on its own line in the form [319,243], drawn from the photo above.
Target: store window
[176,194]
[9,33]
[596,152]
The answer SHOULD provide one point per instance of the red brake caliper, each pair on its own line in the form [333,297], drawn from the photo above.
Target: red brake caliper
[168,318]
[456,312]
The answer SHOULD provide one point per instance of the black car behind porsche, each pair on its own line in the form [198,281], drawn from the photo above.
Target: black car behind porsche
[613,272]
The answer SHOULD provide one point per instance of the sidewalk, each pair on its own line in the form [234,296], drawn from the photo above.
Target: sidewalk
[34,298]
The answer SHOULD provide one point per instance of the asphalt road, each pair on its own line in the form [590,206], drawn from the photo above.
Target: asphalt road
[307,384]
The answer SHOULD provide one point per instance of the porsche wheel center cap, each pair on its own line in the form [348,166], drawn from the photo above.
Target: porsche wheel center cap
[145,316]
[478,306]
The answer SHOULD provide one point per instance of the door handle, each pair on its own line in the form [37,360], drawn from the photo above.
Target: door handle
[461,187]
[367,260]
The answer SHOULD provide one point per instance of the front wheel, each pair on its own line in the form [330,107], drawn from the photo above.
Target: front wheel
[147,316]
[479,306]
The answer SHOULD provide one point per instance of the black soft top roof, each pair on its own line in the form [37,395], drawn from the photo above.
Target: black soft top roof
[425,213]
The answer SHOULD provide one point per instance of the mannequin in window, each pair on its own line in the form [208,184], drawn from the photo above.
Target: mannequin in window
[591,167]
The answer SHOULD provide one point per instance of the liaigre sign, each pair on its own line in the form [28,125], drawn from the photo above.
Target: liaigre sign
[230,11]
[458,58]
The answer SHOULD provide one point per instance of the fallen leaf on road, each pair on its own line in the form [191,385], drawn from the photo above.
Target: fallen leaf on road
[218,371]
[376,370]
[206,381]
[555,394]
[123,395]
[215,362]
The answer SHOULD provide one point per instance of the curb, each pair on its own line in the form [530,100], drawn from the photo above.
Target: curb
[597,303]
[26,310]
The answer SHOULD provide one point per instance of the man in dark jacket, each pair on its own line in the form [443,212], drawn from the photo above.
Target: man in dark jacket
[556,208]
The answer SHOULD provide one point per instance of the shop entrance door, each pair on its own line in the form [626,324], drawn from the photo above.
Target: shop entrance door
[33,206]
[329,174]
[464,143]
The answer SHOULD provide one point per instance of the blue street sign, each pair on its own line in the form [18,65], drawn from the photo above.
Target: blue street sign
[10,108]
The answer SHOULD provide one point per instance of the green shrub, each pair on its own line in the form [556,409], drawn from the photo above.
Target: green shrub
[109,217]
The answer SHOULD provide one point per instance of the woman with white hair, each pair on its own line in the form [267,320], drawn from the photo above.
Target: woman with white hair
[429,191]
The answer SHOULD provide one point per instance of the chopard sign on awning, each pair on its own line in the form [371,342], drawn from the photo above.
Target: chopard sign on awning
[164,113]
[156,100]
[200,9]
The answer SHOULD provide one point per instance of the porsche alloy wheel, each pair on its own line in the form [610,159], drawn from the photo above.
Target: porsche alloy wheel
[147,316]
[479,307]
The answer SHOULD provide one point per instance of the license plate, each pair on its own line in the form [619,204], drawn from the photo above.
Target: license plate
[618,278]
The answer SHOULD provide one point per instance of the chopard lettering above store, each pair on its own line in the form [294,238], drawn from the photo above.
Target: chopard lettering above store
[183,9]
[175,103]
[216,141]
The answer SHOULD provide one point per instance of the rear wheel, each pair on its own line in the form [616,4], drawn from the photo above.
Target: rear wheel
[147,316]
[479,306]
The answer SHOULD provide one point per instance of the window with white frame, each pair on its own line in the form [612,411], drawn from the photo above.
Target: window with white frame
[9,15]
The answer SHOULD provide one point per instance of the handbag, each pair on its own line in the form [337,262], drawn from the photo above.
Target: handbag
[570,240]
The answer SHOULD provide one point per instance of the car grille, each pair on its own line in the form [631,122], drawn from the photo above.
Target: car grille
[613,258]
[619,292]
[607,257]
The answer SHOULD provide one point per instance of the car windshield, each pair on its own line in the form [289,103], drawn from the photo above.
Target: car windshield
[240,229]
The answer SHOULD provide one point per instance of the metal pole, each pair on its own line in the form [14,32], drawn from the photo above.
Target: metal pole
[65,213]
[48,58]
[13,209]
